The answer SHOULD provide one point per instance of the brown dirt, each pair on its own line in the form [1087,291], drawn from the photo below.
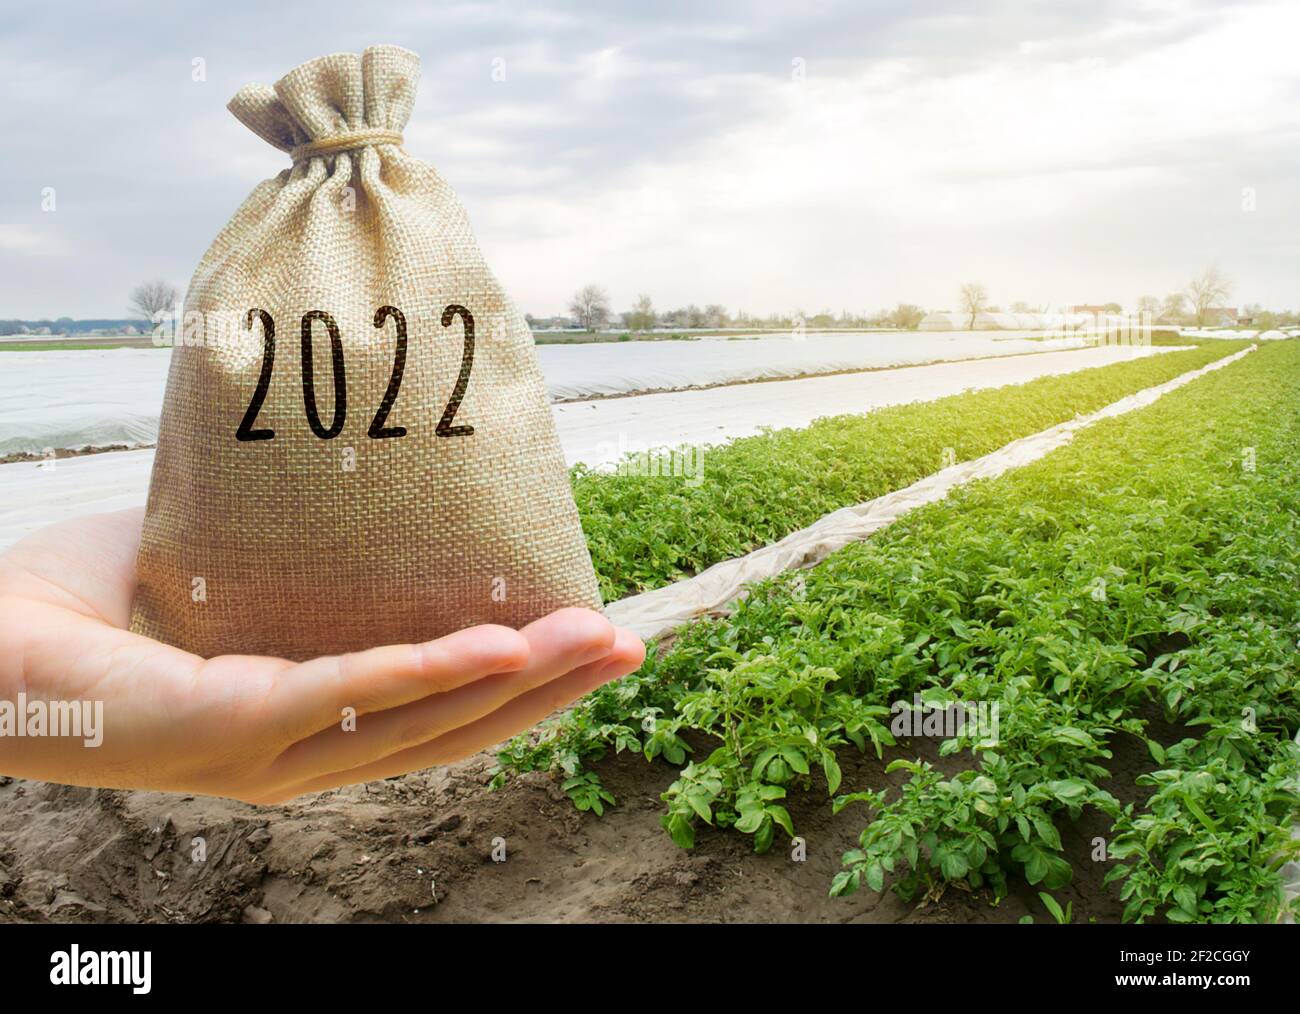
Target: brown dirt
[69,452]
[380,852]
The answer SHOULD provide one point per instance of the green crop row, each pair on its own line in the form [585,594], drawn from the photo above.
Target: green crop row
[645,532]
[1151,566]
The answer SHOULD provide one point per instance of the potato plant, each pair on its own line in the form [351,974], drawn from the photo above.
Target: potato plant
[1151,564]
[647,532]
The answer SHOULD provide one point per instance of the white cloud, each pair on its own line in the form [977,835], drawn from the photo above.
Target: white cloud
[1059,152]
[965,171]
[28,239]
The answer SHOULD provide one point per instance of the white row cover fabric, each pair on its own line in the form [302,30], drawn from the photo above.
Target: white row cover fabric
[1241,334]
[656,613]
[612,368]
[597,433]
[80,398]
[1237,334]
[102,397]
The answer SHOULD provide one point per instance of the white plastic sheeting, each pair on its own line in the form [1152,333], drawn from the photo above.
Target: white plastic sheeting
[1228,334]
[1239,334]
[33,495]
[656,613]
[97,398]
[596,432]
[584,371]
[76,398]
[599,433]
[944,320]
[995,321]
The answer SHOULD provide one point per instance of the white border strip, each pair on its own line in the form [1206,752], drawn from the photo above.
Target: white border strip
[655,613]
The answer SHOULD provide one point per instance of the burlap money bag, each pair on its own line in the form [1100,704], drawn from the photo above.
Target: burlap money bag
[356,446]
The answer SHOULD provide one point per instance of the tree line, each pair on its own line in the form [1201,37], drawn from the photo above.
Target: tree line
[1197,303]
[590,310]
[146,301]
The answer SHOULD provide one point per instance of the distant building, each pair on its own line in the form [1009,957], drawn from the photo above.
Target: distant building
[1222,316]
[944,320]
[995,320]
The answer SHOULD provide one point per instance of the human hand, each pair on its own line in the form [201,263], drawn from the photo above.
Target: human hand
[253,728]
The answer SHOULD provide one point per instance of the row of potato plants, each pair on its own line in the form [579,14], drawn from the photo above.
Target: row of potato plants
[647,532]
[1154,562]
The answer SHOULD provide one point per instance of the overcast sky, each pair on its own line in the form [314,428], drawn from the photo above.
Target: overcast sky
[766,156]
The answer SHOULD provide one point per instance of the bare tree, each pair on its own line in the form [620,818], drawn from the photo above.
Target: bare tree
[1209,288]
[642,315]
[715,315]
[1149,304]
[153,298]
[590,307]
[974,298]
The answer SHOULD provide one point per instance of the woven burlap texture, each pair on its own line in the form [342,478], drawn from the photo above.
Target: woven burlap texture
[299,545]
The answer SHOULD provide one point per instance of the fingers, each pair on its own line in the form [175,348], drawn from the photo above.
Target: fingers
[527,710]
[557,644]
[519,714]
[310,697]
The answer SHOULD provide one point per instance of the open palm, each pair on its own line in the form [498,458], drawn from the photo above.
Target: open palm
[254,728]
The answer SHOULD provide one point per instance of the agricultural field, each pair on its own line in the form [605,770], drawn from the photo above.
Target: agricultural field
[1138,587]
[1117,622]
[598,433]
[89,397]
[646,534]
